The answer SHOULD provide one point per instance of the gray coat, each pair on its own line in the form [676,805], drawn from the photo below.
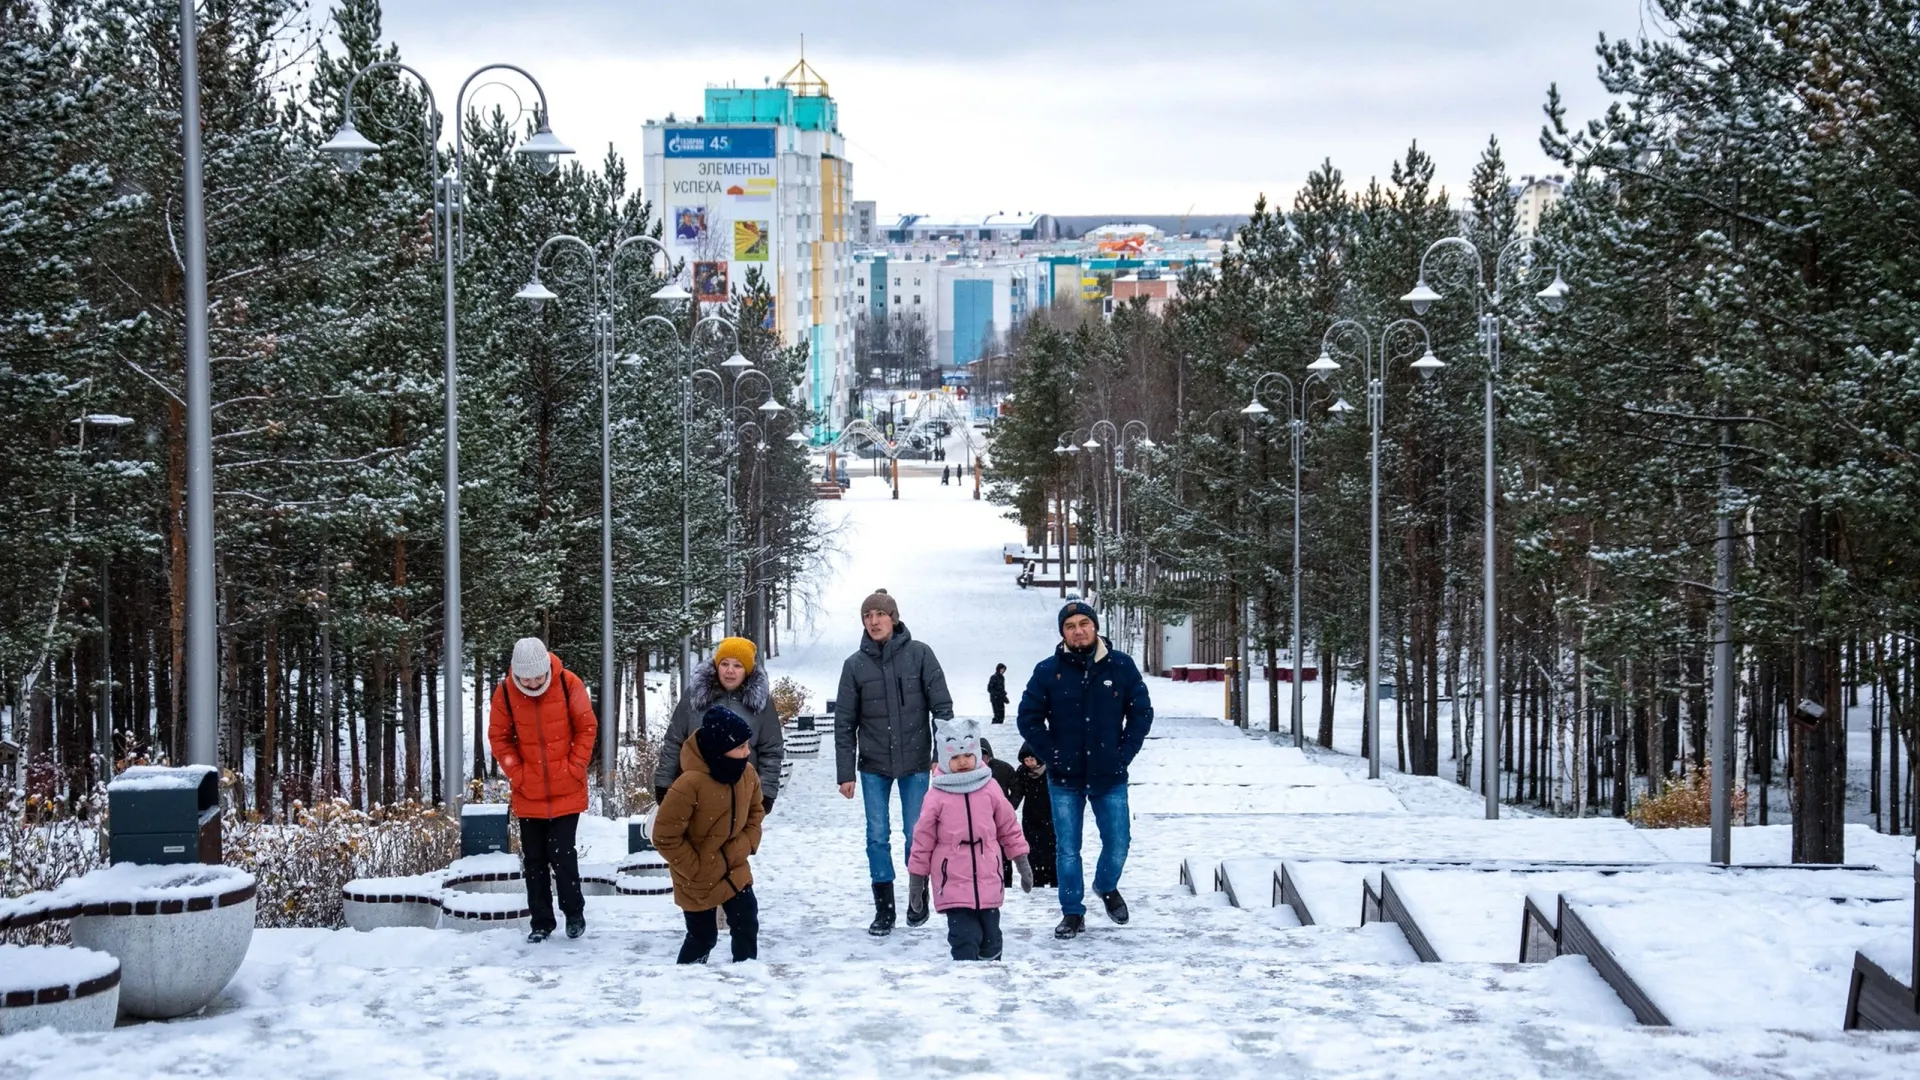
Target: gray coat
[753,702]
[883,715]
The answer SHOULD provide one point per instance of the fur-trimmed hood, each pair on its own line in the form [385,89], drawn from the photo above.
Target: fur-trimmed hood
[704,688]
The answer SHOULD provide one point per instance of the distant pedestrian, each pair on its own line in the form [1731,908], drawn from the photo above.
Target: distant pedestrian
[543,742]
[997,692]
[1026,574]
[1036,816]
[1086,714]
[707,828]
[891,691]
[730,677]
[965,826]
[945,473]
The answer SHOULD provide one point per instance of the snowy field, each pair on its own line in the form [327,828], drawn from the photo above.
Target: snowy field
[1192,987]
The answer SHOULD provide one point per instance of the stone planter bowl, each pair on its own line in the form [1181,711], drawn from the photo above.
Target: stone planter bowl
[58,987]
[179,931]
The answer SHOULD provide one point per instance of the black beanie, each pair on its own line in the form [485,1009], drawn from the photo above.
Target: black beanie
[1077,607]
[722,729]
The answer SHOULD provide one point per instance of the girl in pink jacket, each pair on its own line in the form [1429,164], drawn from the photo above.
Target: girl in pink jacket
[965,824]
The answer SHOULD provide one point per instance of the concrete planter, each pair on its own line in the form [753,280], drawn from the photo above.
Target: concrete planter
[484,911]
[179,931]
[58,987]
[379,903]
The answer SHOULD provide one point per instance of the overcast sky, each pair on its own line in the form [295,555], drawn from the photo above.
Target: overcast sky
[1062,106]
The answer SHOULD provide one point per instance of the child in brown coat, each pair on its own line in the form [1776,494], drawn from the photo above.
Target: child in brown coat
[707,827]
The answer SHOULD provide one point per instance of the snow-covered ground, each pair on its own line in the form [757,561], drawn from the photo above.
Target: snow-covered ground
[1192,986]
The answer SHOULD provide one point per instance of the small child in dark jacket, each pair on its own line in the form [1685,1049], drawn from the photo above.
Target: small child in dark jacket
[964,825]
[1036,815]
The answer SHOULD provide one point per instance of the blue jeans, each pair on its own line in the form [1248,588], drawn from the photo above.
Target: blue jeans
[874,790]
[1069,818]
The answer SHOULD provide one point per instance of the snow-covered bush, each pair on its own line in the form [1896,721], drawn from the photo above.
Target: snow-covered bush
[39,848]
[301,866]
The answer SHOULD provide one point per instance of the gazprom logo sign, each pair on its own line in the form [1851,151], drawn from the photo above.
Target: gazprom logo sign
[719,142]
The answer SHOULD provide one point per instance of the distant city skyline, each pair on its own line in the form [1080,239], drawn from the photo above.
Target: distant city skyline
[1065,109]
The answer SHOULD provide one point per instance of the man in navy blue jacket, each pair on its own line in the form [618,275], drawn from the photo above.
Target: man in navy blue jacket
[1085,713]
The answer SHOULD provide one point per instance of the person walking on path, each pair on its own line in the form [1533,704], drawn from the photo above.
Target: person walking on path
[1036,816]
[731,678]
[997,692]
[707,828]
[1085,714]
[891,690]
[964,828]
[1003,775]
[946,474]
[543,741]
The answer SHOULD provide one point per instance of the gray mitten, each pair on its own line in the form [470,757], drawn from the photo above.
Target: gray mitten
[917,899]
[1024,868]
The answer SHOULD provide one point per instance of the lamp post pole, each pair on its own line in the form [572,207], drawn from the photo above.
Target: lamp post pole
[674,293]
[202,651]
[1297,405]
[604,295]
[1374,356]
[348,148]
[1487,297]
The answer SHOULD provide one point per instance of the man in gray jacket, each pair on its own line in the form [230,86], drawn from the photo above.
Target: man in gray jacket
[891,691]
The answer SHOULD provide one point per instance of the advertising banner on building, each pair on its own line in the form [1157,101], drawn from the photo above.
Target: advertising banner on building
[722,184]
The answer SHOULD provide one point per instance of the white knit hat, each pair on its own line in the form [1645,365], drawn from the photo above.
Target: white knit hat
[531,660]
[957,737]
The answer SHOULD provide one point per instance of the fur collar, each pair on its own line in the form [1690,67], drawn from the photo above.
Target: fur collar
[704,688]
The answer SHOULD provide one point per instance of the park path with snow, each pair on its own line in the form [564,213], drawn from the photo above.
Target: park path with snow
[1192,986]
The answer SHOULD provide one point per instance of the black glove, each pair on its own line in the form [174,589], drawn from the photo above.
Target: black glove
[766,803]
[659,795]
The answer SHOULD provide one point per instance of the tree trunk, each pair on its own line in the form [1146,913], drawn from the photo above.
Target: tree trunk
[1819,741]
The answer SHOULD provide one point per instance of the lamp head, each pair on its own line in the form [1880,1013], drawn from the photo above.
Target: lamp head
[1090,444]
[1254,408]
[633,360]
[1146,442]
[348,148]
[736,362]
[797,438]
[1421,298]
[1428,364]
[1324,363]
[771,406]
[533,292]
[1554,296]
[1340,407]
[106,420]
[543,150]
[672,293]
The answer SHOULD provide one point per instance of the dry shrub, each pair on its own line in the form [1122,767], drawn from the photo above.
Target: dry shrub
[632,792]
[789,698]
[300,867]
[40,847]
[1687,804]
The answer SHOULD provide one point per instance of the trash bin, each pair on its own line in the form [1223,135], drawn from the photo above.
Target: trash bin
[161,815]
[1386,691]
[483,828]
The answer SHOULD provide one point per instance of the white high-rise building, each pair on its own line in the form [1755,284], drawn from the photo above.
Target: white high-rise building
[761,182]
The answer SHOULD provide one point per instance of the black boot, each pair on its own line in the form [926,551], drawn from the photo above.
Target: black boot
[1116,907]
[577,925]
[882,909]
[536,936]
[1070,926]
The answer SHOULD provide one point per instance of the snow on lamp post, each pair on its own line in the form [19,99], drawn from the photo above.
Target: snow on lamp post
[348,149]
[604,297]
[1487,300]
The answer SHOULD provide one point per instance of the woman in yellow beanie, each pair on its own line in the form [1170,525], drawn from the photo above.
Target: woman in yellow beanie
[731,677]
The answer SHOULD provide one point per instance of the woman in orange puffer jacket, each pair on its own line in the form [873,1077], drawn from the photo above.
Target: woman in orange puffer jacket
[541,728]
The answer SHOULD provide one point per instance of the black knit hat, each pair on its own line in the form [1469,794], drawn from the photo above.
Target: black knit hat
[722,730]
[1077,607]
